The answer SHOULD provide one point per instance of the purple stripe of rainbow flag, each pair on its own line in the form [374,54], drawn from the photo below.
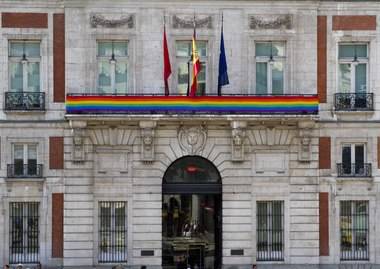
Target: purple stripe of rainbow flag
[99,104]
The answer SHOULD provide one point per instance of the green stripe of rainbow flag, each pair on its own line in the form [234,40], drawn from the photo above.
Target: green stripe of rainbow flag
[116,104]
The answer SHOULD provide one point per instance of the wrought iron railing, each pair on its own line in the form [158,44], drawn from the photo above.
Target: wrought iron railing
[354,170]
[25,101]
[24,171]
[353,101]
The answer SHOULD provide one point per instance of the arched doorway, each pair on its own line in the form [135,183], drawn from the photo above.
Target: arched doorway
[191,215]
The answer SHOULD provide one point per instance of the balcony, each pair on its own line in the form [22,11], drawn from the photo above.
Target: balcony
[25,101]
[354,170]
[24,171]
[353,102]
[203,105]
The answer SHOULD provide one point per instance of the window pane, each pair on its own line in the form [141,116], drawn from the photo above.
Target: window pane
[359,154]
[270,48]
[104,77]
[361,78]
[261,78]
[183,78]
[16,80]
[33,77]
[120,48]
[32,152]
[19,152]
[32,49]
[346,159]
[345,77]
[183,48]
[121,77]
[16,49]
[350,50]
[277,78]
[105,48]
[202,48]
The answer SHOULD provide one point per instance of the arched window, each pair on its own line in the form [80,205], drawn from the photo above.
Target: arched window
[191,170]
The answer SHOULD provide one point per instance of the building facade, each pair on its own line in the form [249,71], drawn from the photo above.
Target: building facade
[98,167]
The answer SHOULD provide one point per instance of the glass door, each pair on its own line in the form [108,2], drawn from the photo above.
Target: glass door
[191,231]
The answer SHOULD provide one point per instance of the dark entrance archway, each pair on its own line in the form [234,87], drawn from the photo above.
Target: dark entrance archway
[191,214]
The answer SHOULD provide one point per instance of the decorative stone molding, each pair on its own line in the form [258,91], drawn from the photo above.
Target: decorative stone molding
[78,131]
[110,136]
[237,141]
[112,20]
[192,139]
[305,132]
[270,136]
[187,22]
[147,140]
[78,145]
[266,22]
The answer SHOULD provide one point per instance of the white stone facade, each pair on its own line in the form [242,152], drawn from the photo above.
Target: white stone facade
[112,163]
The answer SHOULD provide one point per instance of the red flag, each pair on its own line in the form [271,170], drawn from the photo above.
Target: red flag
[167,66]
[196,66]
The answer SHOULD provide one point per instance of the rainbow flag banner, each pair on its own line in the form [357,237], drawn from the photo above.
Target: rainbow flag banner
[143,104]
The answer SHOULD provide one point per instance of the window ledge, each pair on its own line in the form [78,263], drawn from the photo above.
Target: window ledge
[24,179]
[358,179]
[353,112]
[23,112]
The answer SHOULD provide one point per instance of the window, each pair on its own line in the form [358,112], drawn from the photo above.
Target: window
[185,67]
[353,161]
[112,232]
[270,65]
[23,232]
[24,66]
[354,230]
[24,161]
[112,59]
[270,231]
[353,68]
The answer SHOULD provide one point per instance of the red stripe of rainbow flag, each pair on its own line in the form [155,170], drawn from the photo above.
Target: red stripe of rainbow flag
[115,104]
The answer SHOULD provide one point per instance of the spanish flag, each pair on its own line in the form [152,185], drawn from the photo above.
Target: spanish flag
[196,65]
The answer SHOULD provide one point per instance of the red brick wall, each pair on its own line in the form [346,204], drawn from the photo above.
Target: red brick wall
[324,153]
[59,57]
[323,223]
[56,160]
[322,58]
[354,23]
[57,225]
[24,20]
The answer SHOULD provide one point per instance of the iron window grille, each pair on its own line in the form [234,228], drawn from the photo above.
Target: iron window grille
[353,101]
[24,232]
[354,231]
[25,101]
[270,231]
[112,232]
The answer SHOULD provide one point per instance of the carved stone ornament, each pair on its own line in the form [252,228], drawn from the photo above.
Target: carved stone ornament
[187,22]
[147,140]
[237,141]
[266,22]
[78,145]
[112,21]
[305,133]
[192,139]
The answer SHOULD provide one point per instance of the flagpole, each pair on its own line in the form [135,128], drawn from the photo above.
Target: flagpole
[219,86]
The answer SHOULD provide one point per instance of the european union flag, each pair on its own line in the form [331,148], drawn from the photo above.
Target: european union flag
[223,75]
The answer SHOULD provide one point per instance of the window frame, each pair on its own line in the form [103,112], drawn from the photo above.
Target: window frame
[98,232]
[353,151]
[352,231]
[36,255]
[268,254]
[266,59]
[18,59]
[123,59]
[349,60]
[205,63]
